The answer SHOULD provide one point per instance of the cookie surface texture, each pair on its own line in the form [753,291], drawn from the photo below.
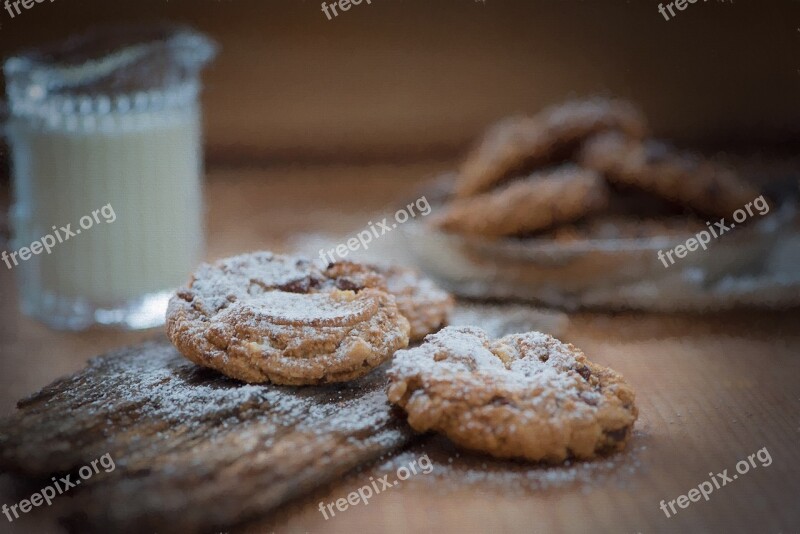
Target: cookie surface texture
[542,200]
[425,305]
[683,178]
[520,144]
[264,317]
[525,396]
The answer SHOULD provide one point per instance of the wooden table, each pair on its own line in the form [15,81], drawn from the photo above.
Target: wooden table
[712,390]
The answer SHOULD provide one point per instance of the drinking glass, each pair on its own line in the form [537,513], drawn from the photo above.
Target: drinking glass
[106,153]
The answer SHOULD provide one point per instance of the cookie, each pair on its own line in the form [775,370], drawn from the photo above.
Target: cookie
[521,144]
[426,307]
[534,203]
[683,178]
[525,396]
[264,317]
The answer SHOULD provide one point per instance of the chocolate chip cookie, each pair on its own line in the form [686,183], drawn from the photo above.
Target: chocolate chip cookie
[525,396]
[521,144]
[534,203]
[683,178]
[426,307]
[264,317]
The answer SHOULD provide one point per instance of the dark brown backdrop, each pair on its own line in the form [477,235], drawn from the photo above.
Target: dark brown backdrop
[402,79]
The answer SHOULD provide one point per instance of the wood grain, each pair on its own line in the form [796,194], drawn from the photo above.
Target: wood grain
[192,448]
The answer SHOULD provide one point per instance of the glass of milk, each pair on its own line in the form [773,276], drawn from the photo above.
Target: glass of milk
[105,138]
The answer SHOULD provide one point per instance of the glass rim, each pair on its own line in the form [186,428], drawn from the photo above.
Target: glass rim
[113,68]
[105,41]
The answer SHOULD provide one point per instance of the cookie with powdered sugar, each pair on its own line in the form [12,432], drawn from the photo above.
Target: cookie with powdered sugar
[264,317]
[526,396]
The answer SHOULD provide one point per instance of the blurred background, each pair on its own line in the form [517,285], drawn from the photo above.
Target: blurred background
[376,101]
[410,80]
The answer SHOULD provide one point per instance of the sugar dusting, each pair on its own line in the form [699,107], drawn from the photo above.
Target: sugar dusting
[528,364]
[247,275]
[455,469]
[405,281]
[158,385]
[315,309]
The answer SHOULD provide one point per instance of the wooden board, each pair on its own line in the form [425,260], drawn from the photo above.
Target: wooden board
[192,449]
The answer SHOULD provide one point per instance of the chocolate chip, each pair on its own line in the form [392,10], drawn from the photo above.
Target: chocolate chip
[500,401]
[348,284]
[296,286]
[584,371]
[619,434]
[303,285]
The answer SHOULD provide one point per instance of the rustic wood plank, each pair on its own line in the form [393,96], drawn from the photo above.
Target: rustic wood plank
[192,448]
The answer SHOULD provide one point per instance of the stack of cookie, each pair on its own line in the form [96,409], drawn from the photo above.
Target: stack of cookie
[585,162]
[267,318]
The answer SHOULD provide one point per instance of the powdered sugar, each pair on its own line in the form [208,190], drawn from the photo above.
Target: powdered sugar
[456,470]
[408,282]
[252,274]
[314,309]
[517,363]
[153,387]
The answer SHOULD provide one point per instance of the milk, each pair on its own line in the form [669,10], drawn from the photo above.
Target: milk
[148,166]
[107,120]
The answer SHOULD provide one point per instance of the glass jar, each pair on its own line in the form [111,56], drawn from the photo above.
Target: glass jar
[105,138]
